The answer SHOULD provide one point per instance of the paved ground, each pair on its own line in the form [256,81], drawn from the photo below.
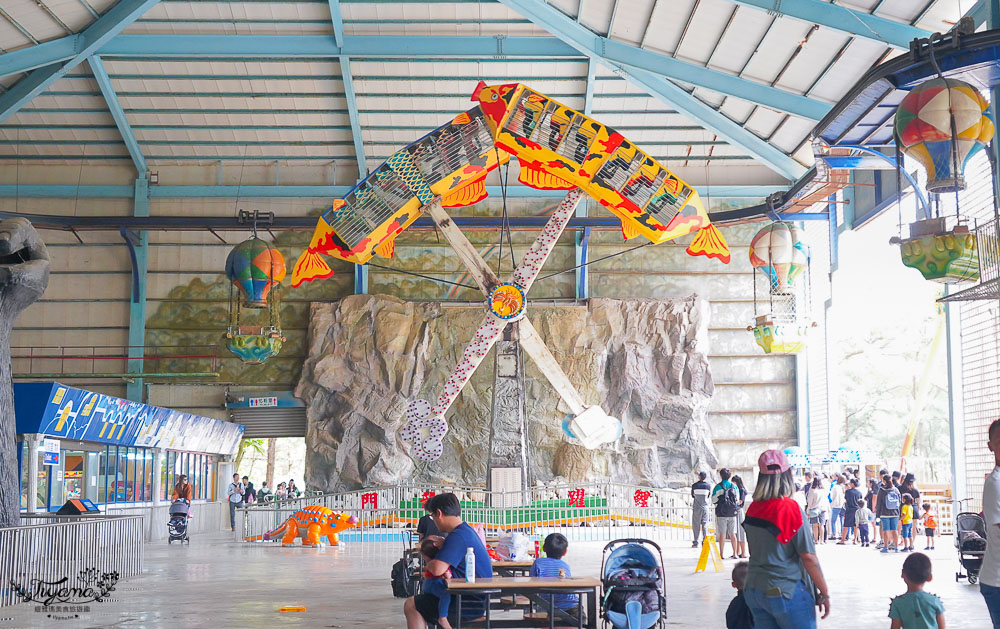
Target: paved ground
[218,583]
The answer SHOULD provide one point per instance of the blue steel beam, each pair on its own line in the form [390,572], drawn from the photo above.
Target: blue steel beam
[89,41]
[319,46]
[349,93]
[137,305]
[323,46]
[115,107]
[567,30]
[46,53]
[839,18]
[352,114]
[588,99]
[334,192]
[338,23]
[285,47]
[633,58]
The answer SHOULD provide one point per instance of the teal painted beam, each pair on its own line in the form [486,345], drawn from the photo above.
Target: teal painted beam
[338,23]
[137,305]
[348,82]
[360,279]
[44,54]
[842,19]
[354,116]
[324,46]
[335,192]
[615,53]
[148,46]
[87,43]
[117,114]
[588,99]
[580,38]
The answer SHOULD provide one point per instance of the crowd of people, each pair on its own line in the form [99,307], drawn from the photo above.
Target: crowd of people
[779,525]
[241,492]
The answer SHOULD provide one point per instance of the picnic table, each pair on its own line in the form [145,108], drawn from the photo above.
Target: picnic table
[530,587]
[512,568]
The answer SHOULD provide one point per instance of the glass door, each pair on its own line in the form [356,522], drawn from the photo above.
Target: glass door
[74,475]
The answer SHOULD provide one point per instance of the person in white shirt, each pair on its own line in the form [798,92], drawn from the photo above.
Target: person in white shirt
[989,574]
[837,505]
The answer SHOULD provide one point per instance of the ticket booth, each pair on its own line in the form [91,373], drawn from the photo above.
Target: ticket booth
[78,444]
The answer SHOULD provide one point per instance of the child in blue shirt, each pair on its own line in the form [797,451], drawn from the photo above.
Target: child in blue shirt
[551,565]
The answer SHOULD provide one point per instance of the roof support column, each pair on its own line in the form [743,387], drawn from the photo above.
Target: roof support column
[137,303]
[582,245]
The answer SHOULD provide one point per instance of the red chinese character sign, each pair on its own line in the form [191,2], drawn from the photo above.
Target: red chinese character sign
[424,497]
[641,498]
[369,500]
[576,497]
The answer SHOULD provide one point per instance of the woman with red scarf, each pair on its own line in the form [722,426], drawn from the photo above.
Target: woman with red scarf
[784,582]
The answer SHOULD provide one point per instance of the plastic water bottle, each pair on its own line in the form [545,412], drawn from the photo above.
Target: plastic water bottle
[470,565]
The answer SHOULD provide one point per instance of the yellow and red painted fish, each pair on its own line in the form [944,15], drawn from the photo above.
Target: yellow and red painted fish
[452,162]
[559,148]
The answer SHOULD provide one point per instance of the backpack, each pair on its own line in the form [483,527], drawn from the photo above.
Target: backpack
[892,500]
[403,585]
[729,503]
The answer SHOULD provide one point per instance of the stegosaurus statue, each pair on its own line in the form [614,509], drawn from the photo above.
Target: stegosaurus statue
[311,524]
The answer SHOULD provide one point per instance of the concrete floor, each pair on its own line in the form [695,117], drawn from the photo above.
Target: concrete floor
[218,583]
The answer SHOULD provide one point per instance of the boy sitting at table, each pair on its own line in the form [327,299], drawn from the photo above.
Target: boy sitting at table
[552,565]
[446,511]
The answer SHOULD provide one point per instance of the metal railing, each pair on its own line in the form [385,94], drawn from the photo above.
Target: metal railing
[113,360]
[586,511]
[59,547]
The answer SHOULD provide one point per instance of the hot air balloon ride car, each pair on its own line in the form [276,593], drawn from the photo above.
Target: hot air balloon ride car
[942,123]
[255,269]
[778,254]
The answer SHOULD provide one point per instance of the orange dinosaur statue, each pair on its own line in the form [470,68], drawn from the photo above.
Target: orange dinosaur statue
[311,524]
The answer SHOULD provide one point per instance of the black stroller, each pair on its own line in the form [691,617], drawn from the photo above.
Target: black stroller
[178,524]
[970,540]
[632,580]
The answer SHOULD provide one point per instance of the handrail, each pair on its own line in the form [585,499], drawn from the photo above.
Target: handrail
[47,552]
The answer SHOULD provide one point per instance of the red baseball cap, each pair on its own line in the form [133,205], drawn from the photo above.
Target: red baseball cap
[773,462]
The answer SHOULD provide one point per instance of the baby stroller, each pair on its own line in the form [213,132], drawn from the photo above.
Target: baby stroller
[178,524]
[632,579]
[970,540]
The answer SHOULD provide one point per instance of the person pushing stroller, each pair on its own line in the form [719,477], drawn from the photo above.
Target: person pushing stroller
[180,511]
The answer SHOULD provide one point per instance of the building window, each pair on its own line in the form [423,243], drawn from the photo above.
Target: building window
[165,485]
[147,474]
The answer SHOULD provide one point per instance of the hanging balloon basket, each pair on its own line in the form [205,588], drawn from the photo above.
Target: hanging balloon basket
[255,269]
[941,255]
[779,257]
[254,346]
[779,337]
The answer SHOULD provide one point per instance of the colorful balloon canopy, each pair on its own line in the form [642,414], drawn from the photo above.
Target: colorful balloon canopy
[923,129]
[778,250]
[255,267]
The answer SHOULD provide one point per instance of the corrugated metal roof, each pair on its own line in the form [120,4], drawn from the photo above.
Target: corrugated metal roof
[189,110]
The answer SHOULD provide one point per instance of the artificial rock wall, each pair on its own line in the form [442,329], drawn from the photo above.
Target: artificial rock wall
[643,360]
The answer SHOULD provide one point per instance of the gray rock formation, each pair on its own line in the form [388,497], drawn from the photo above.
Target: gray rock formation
[24,274]
[642,360]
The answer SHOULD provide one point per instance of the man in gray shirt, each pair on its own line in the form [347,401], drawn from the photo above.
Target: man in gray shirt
[699,509]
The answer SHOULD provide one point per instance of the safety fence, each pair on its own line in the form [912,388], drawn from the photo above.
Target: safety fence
[587,511]
[87,554]
[583,512]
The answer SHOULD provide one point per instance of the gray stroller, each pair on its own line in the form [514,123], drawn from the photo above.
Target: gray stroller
[177,526]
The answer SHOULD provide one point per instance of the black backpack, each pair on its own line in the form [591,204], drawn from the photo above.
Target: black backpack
[403,584]
[729,503]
